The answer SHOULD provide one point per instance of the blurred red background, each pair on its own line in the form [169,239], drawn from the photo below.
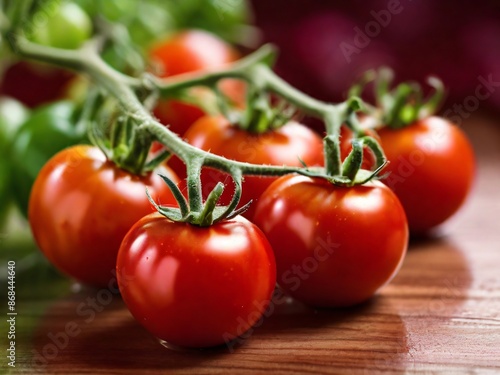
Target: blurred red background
[325,45]
[322,49]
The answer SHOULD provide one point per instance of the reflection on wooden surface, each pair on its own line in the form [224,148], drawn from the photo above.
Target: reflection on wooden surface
[440,314]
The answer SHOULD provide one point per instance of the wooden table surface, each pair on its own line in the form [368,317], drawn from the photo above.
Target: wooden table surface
[441,314]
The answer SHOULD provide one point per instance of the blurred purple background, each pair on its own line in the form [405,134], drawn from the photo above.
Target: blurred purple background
[322,49]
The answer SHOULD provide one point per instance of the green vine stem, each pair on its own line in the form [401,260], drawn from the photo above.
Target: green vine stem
[254,69]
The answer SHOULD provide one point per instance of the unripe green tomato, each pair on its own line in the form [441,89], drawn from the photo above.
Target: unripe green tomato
[68,27]
[4,190]
[12,115]
[48,130]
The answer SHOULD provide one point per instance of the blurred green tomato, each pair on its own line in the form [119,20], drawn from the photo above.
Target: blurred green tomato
[49,129]
[66,26]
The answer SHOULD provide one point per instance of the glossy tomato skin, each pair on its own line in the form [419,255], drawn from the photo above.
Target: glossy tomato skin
[196,286]
[190,51]
[334,246]
[283,146]
[432,167]
[81,206]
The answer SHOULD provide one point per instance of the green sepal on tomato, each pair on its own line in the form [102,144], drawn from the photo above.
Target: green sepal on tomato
[335,246]
[347,135]
[431,162]
[82,205]
[48,130]
[193,286]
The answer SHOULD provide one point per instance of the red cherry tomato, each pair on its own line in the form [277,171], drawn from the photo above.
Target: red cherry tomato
[431,165]
[334,246]
[283,146]
[191,51]
[81,206]
[196,286]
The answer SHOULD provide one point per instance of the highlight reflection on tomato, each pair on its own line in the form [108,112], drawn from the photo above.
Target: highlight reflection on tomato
[81,206]
[196,286]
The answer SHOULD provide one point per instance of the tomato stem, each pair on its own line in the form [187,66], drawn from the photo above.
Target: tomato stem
[353,161]
[430,106]
[253,69]
[194,184]
[207,213]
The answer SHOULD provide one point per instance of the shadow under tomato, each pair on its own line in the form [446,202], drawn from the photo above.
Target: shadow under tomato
[432,237]
[434,267]
[87,330]
[127,345]
[385,332]
[79,331]
[368,336]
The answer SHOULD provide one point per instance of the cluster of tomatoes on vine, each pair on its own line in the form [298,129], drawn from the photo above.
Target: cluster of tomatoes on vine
[325,245]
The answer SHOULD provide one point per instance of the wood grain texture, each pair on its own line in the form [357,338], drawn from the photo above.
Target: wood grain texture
[441,314]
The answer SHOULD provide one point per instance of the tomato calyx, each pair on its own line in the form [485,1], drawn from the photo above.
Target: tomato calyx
[404,104]
[352,173]
[260,115]
[351,167]
[119,136]
[349,172]
[207,213]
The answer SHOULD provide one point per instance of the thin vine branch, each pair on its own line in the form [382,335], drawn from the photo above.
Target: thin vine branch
[254,69]
[87,60]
